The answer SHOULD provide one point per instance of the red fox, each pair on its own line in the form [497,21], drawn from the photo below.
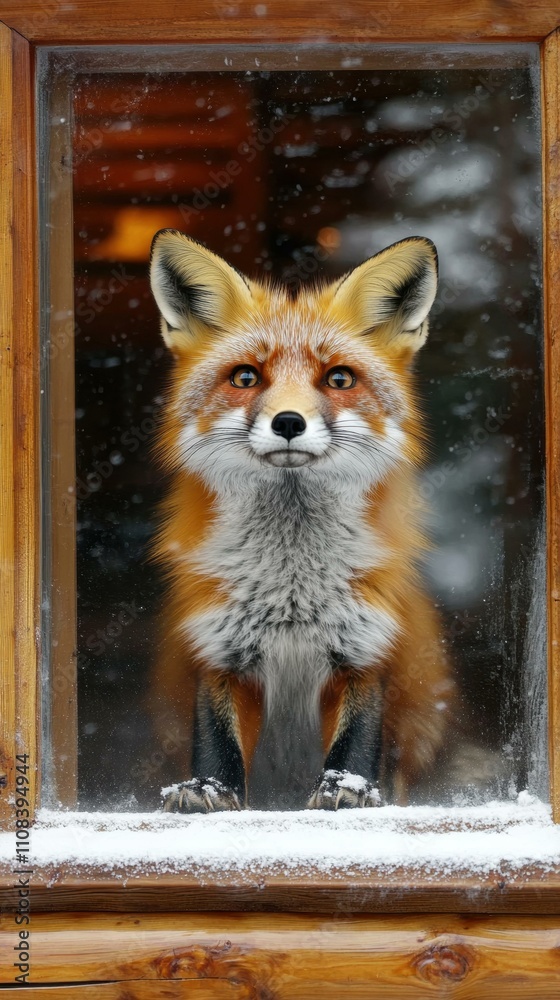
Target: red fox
[292,532]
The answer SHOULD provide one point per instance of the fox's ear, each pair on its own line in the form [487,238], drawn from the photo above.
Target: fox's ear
[391,294]
[196,291]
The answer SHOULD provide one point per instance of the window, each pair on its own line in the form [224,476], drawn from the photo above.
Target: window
[300,173]
[499,566]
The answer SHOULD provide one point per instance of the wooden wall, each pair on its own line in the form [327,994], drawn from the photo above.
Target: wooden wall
[287,957]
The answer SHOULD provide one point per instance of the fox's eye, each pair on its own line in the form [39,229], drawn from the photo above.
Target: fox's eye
[244,377]
[340,378]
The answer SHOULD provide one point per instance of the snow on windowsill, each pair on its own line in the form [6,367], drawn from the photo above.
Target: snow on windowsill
[434,841]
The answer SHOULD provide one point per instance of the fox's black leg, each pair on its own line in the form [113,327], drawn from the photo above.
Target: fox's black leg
[218,758]
[351,774]
[357,743]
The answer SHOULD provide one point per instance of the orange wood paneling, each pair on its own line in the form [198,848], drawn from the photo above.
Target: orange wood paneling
[289,957]
[7,504]
[19,403]
[55,21]
[208,989]
[402,891]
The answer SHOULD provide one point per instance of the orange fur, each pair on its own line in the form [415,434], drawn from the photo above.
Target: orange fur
[248,707]
[414,675]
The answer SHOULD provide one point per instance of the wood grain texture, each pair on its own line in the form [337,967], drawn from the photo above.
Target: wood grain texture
[19,397]
[55,21]
[208,989]
[26,417]
[304,957]
[7,505]
[551,243]
[18,520]
[535,892]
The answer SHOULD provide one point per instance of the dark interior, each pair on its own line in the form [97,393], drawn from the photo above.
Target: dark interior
[302,175]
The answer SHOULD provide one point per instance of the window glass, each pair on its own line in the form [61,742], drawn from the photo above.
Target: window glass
[299,169]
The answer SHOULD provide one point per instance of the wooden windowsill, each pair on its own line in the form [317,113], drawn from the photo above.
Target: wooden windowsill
[501,858]
[529,891]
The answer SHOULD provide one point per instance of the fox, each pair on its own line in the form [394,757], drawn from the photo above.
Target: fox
[292,534]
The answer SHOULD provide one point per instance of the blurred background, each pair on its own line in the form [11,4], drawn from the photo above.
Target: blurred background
[302,175]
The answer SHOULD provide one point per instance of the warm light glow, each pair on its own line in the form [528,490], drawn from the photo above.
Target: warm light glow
[329,238]
[133,232]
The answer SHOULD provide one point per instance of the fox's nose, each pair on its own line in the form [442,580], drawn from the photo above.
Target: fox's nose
[288,425]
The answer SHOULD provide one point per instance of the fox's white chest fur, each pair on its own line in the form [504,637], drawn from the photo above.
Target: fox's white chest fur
[286,552]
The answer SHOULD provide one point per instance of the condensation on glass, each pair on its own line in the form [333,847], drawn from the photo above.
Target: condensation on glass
[297,162]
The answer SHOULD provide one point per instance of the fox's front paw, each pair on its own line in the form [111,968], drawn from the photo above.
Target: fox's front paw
[343,790]
[199,795]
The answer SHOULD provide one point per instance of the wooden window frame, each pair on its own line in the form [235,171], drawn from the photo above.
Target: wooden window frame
[27,24]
